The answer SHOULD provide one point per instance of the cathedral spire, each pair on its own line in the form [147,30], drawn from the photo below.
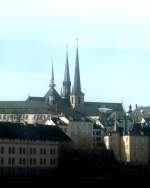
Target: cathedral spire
[66,82]
[77,82]
[52,84]
[77,97]
[67,74]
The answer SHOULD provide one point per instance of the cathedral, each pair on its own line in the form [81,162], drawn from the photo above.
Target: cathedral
[70,102]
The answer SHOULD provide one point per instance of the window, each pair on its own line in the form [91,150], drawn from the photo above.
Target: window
[31,151]
[9,150]
[13,160]
[2,161]
[34,150]
[9,160]
[24,161]
[2,150]
[52,151]
[22,150]
[42,151]
[13,150]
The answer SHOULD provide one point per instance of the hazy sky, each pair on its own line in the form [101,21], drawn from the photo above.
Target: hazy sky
[114,47]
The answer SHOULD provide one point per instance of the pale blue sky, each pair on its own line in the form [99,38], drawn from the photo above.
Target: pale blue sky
[114,47]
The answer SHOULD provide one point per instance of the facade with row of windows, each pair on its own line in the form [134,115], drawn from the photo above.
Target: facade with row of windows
[30,146]
[28,153]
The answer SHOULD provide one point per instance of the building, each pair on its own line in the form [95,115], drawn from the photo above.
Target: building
[30,146]
[68,103]
[131,146]
[84,133]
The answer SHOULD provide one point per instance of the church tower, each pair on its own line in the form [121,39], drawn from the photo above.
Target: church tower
[52,87]
[77,97]
[66,83]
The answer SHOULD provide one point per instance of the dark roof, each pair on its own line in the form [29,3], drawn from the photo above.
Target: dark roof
[38,106]
[91,108]
[23,107]
[35,99]
[32,132]
[33,107]
[52,92]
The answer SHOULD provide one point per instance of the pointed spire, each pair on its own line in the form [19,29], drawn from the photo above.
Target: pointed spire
[67,74]
[52,84]
[77,82]
[66,82]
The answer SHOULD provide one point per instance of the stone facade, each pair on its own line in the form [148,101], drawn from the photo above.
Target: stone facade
[129,148]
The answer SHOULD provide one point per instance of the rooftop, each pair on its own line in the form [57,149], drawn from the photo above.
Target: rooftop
[35,132]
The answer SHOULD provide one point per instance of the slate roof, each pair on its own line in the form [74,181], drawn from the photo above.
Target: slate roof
[23,107]
[52,92]
[35,98]
[37,106]
[91,108]
[32,132]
